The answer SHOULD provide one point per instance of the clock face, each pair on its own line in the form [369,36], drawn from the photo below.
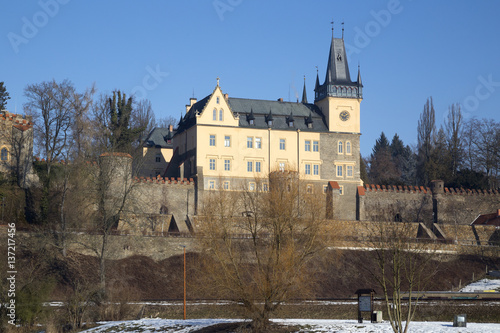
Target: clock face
[344,116]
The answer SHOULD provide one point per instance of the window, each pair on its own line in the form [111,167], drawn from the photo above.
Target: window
[251,122]
[290,123]
[249,166]
[339,170]
[158,158]
[258,143]
[325,188]
[309,188]
[226,185]
[308,145]
[251,186]
[341,191]
[215,114]
[249,142]
[269,123]
[211,184]
[308,169]
[315,145]
[221,115]
[282,144]
[348,147]
[316,169]
[5,154]
[212,164]
[227,165]
[257,166]
[349,170]
[282,166]
[341,147]
[265,187]
[218,99]
[227,141]
[212,140]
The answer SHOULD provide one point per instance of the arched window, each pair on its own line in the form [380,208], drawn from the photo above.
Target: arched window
[341,147]
[221,115]
[215,114]
[163,210]
[5,154]
[348,147]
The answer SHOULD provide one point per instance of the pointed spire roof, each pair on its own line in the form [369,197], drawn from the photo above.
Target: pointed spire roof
[304,95]
[250,115]
[316,86]
[309,120]
[337,70]
[359,77]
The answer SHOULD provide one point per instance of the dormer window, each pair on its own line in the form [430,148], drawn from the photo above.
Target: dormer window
[290,123]
[251,122]
[269,119]
[310,125]
[290,120]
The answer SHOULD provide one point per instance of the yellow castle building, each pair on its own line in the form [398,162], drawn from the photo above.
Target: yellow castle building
[228,142]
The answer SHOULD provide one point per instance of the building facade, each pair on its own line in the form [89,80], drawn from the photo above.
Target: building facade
[227,142]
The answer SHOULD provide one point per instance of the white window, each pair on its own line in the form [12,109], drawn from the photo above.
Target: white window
[348,147]
[316,169]
[250,166]
[282,166]
[349,170]
[339,170]
[218,99]
[221,115]
[309,188]
[257,166]
[215,114]
[226,185]
[212,140]
[282,144]
[212,164]
[211,184]
[341,147]
[265,187]
[308,145]
[258,143]
[227,165]
[227,141]
[249,142]
[5,154]
[308,169]
[251,186]
[315,145]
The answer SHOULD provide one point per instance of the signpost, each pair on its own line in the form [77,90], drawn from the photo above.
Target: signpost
[365,303]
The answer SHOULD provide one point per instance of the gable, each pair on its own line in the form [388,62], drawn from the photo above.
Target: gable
[217,111]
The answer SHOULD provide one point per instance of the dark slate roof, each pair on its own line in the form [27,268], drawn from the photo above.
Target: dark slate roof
[488,219]
[158,138]
[280,112]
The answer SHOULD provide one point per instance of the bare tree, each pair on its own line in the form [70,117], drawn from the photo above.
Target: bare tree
[403,263]
[261,241]
[426,130]
[454,127]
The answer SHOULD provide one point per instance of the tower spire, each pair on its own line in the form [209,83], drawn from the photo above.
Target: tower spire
[304,95]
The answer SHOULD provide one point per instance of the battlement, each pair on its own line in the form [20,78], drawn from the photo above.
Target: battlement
[161,180]
[21,122]
[362,190]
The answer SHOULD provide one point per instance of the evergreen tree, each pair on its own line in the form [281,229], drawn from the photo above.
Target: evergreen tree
[382,168]
[426,131]
[122,135]
[4,96]
[404,161]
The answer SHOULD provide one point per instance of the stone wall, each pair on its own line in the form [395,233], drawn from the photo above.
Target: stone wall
[428,205]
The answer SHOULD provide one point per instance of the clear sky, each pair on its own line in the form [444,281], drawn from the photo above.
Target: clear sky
[168,51]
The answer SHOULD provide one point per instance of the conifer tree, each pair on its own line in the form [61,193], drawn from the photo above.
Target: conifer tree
[4,96]
[122,135]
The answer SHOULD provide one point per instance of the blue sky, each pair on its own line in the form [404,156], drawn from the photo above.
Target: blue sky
[166,51]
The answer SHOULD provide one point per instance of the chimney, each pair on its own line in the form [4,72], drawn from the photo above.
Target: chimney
[226,97]
[170,128]
[498,212]
[280,99]
[192,101]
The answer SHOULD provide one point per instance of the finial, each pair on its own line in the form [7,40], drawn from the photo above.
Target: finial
[217,81]
[332,27]
[342,29]
[316,69]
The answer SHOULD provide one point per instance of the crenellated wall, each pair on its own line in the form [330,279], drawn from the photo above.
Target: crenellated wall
[437,204]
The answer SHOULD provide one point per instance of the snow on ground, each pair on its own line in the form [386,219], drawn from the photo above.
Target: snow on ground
[482,285]
[307,325]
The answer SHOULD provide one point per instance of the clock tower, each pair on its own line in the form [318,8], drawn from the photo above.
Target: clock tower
[338,97]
